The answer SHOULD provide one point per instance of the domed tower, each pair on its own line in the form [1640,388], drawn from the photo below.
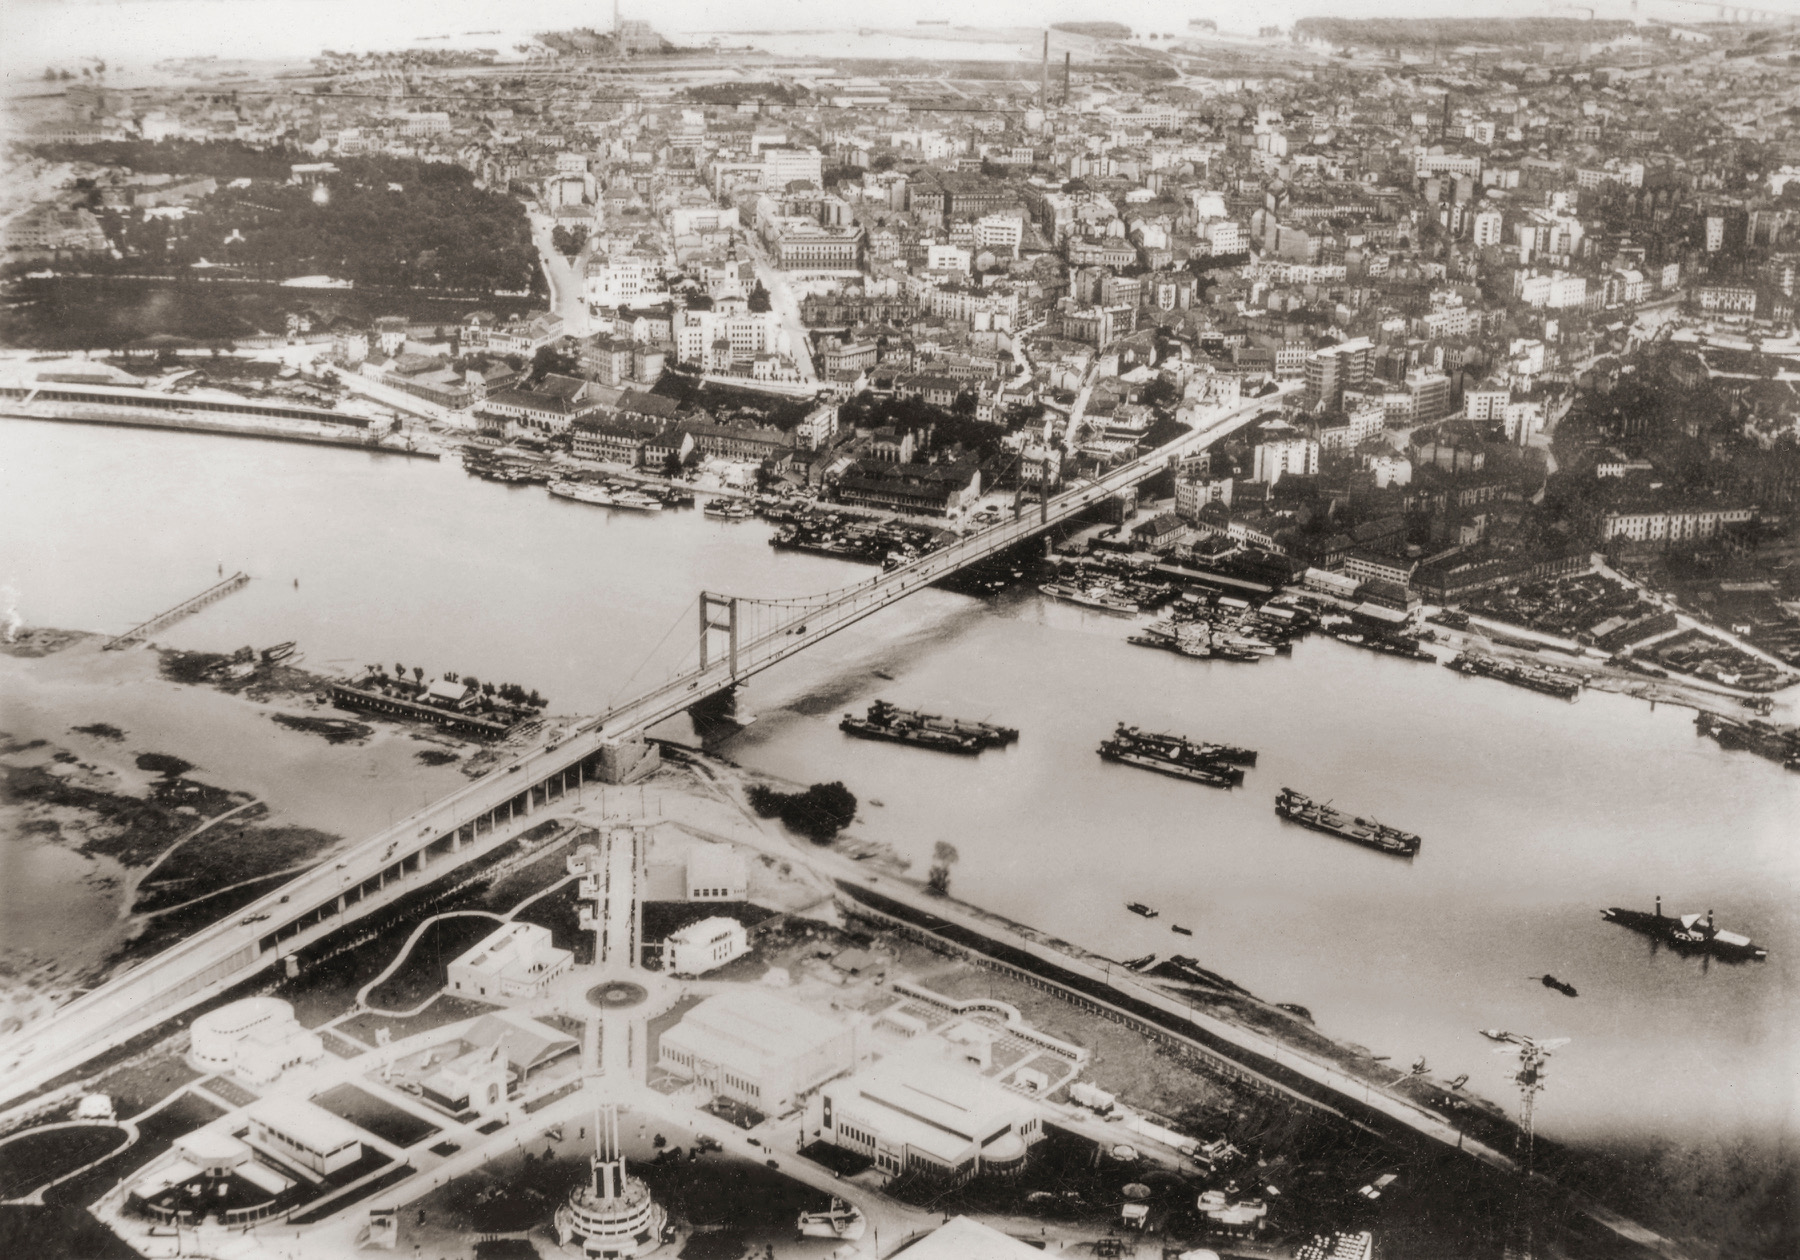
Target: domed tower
[614,1215]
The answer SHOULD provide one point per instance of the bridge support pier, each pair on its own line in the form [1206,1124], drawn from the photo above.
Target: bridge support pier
[626,760]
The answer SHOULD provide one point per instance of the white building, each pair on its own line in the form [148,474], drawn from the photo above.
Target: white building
[757,1048]
[1390,470]
[428,123]
[627,282]
[1446,164]
[716,872]
[1194,493]
[691,220]
[1671,524]
[947,258]
[819,426]
[727,335]
[1523,419]
[298,1132]
[257,1038]
[1487,228]
[1486,405]
[999,231]
[1556,292]
[515,964]
[783,164]
[705,946]
[926,1113]
[1297,455]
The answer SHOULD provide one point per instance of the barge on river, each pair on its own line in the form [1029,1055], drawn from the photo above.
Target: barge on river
[899,726]
[1096,597]
[1185,749]
[987,733]
[1551,682]
[1320,816]
[1216,765]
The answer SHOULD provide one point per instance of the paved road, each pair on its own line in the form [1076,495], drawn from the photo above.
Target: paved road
[567,287]
[785,305]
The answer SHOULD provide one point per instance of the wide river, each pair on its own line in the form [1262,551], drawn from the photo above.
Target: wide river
[1536,813]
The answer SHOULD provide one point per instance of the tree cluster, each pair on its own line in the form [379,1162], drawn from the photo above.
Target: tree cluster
[382,221]
[819,813]
[931,427]
[568,240]
[221,159]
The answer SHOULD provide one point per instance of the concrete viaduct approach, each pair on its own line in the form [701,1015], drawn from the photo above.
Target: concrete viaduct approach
[738,638]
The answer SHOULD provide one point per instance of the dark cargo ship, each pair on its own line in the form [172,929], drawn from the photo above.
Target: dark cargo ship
[1687,933]
[1297,808]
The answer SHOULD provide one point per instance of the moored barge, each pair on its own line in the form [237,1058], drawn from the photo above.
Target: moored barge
[1219,776]
[1564,686]
[1320,816]
[989,734]
[1186,749]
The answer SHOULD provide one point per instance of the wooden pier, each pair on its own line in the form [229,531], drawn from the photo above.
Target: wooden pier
[168,617]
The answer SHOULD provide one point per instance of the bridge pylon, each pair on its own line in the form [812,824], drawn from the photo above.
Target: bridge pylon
[712,609]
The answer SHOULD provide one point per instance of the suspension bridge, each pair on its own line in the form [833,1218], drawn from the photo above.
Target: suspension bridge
[735,638]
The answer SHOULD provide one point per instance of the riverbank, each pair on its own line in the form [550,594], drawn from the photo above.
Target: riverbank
[113,761]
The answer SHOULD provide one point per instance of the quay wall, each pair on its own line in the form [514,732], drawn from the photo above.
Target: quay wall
[90,415]
[1215,1046]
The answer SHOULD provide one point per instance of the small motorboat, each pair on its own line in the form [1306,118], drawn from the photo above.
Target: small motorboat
[1138,907]
[1176,927]
[1562,987]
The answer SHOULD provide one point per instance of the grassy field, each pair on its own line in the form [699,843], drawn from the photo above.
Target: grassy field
[425,970]
[31,1159]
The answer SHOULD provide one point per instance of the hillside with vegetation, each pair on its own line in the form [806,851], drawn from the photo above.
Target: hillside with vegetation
[382,221]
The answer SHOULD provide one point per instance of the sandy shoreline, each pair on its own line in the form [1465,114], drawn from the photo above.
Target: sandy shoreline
[76,723]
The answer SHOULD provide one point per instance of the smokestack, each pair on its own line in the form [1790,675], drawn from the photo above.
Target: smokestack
[1659,905]
[1067,56]
[1710,929]
[1044,86]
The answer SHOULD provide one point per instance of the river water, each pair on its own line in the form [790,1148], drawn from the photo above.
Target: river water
[1536,813]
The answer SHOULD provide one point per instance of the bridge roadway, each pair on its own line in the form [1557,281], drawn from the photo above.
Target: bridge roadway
[487,812]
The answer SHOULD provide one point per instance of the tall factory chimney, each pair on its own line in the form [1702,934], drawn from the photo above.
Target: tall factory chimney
[1044,84]
[1067,56]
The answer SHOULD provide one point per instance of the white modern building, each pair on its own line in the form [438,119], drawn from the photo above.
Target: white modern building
[300,1133]
[1297,455]
[928,1113]
[715,872]
[257,1039]
[726,335]
[517,963]
[705,946]
[783,164]
[758,1048]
